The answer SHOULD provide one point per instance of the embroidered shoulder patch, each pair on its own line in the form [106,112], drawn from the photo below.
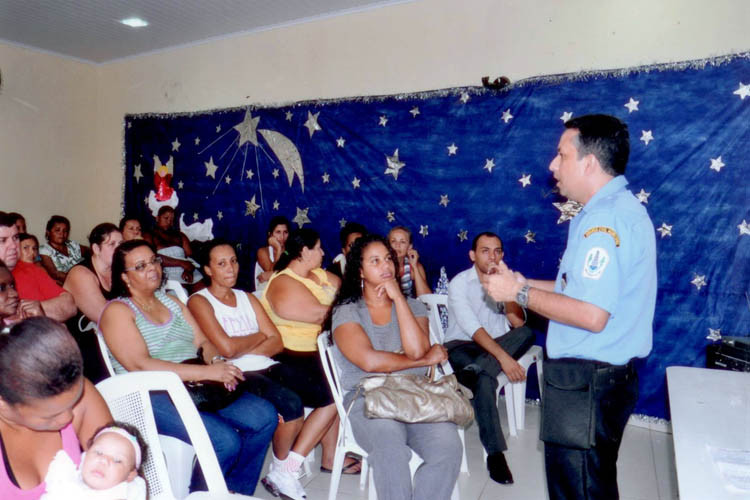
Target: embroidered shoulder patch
[603,229]
[595,263]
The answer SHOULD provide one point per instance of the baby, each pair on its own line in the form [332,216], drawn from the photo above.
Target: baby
[109,469]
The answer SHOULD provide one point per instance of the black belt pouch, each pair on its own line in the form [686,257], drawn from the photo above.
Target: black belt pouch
[568,404]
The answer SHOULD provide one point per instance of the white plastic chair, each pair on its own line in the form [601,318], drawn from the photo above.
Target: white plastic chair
[127,396]
[175,288]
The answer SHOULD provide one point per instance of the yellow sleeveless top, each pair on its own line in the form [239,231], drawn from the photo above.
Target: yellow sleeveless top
[297,335]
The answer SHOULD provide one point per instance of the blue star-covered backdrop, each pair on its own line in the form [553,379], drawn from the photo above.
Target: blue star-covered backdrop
[449,164]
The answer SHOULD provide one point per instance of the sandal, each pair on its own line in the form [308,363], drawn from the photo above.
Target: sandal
[354,467]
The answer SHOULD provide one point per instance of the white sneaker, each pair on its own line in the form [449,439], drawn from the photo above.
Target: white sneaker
[284,484]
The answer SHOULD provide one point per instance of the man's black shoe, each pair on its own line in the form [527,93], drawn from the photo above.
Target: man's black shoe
[498,467]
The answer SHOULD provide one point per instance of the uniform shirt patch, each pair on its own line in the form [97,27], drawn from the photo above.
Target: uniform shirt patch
[605,230]
[595,262]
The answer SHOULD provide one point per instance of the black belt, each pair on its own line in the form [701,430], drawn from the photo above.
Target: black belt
[602,368]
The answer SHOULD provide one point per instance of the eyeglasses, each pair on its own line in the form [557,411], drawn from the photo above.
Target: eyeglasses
[141,266]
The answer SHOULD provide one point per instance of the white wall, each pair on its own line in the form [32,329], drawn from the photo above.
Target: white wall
[423,45]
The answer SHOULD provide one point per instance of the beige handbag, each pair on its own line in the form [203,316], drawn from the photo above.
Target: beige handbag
[417,398]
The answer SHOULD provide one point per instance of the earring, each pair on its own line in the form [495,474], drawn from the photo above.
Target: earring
[362,284]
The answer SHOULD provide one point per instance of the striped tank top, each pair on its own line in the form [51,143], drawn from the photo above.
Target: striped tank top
[407,284]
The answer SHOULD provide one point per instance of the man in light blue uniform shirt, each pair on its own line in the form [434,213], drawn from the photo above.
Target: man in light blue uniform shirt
[601,310]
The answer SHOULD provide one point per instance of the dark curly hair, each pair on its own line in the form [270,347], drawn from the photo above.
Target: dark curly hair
[298,239]
[351,284]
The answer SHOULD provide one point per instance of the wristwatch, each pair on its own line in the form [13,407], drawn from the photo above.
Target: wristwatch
[522,297]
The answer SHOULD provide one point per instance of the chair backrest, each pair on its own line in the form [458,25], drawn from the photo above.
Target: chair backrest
[176,288]
[433,301]
[105,352]
[127,397]
[325,350]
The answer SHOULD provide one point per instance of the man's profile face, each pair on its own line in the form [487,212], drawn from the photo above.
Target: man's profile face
[9,245]
[566,167]
[489,251]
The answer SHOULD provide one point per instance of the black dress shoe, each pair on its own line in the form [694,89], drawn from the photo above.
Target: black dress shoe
[498,467]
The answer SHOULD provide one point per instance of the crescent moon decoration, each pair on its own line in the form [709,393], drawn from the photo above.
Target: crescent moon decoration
[288,155]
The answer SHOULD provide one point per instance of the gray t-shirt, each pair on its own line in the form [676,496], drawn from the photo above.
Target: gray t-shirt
[383,338]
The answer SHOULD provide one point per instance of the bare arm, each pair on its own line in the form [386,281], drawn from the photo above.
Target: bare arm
[510,366]
[90,413]
[515,314]
[291,300]
[415,337]
[49,266]
[264,259]
[61,308]
[420,280]
[186,245]
[84,287]
[546,285]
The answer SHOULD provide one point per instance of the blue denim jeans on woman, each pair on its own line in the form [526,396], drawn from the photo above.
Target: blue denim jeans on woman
[240,433]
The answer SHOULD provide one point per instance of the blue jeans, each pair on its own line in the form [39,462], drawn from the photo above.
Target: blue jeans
[240,433]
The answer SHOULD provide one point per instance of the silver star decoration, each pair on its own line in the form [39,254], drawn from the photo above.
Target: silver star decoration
[383,121]
[393,165]
[506,116]
[218,128]
[714,334]
[130,125]
[463,235]
[665,230]
[717,164]
[249,174]
[464,97]
[390,216]
[632,105]
[326,178]
[145,200]
[568,210]
[239,246]
[699,281]
[219,215]
[340,142]
[530,237]
[414,111]
[489,164]
[567,115]
[275,173]
[248,129]
[743,91]
[228,179]
[642,196]
[452,149]
[288,116]
[444,200]
[312,123]
[647,136]
[210,167]
[275,204]
[180,185]
[176,144]
[423,230]
[138,174]
[251,207]
[355,182]
[197,141]
[744,227]
[525,180]
[195,215]
[342,222]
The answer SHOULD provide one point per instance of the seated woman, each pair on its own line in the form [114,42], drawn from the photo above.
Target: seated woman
[12,308]
[372,324]
[90,284]
[174,249]
[147,330]
[29,249]
[46,405]
[130,227]
[278,232]
[59,254]
[413,277]
[298,300]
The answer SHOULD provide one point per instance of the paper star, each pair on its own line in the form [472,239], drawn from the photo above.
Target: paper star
[301,218]
[340,142]
[647,136]
[525,180]
[219,215]
[530,237]
[744,227]
[383,121]
[195,215]
[717,164]
[567,115]
[632,105]
[228,179]
[355,182]
[176,144]
[423,230]
[239,246]
[506,116]
[288,116]
[197,141]
[342,222]
[452,149]
[251,207]
[444,200]
[489,164]
[464,97]
[714,334]
[275,173]
[326,178]
[180,185]
[699,281]
[210,167]
[390,216]
[137,174]
[130,125]
[742,91]
[568,210]
[665,230]
[218,128]
[248,129]
[463,235]
[414,111]
[393,165]
[312,123]
[145,200]
[642,196]
[249,174]
[275,204]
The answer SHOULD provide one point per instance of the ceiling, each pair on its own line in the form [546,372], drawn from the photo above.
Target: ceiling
[90,29]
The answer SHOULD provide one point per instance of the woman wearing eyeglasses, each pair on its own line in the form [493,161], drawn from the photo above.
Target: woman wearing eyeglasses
[145,329]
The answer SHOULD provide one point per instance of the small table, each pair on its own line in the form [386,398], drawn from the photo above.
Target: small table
[710,408]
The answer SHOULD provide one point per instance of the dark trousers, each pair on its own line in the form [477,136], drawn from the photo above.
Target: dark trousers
[478,370]
[591,474]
